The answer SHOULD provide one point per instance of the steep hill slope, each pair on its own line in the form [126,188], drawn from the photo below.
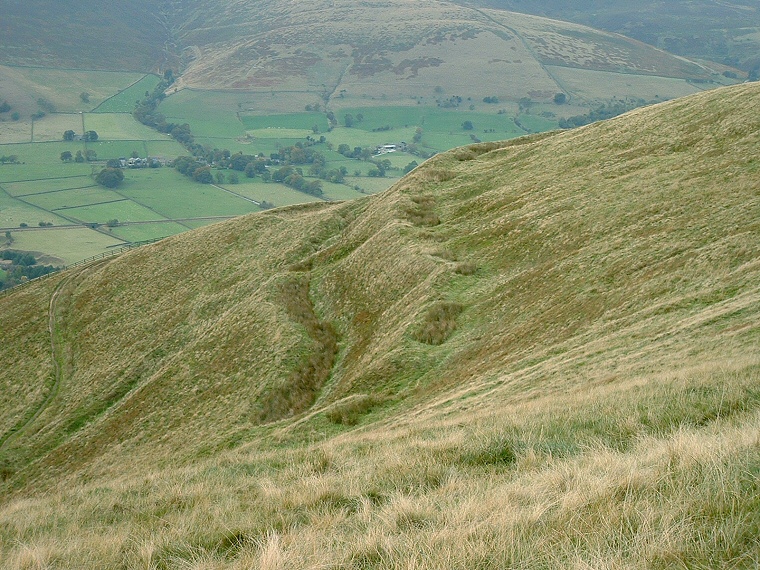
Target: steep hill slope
[550,347]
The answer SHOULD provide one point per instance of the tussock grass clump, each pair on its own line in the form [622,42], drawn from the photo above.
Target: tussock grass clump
[496,450]
[446,254]
[436,175]
[438,323]
[349,411]
[422,213]
[466,268]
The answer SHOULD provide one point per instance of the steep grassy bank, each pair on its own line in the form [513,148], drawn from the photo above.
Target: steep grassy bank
[541,353]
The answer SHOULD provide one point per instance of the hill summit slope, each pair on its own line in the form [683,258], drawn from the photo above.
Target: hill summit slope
[548,347]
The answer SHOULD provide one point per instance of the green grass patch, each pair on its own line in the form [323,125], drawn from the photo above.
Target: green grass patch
[339,191]
[370,185]
[359,137]
[74,197]
[538,124]
[175,196]
[62,87]
[277,194]
[166,149]
[124,101]
[125,211]
[14,212]
[142,232]
[299,121]
[381,117]
[117,149]
[49,185]
[69,245]
[41,161]
[119,126]
[51,127]
[208,114]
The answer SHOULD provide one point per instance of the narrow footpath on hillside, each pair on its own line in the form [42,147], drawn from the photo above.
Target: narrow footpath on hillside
[56,354]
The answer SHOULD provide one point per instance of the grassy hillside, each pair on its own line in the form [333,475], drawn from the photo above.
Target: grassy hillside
[89,34]
[537,353]
[349,52]
[724,32]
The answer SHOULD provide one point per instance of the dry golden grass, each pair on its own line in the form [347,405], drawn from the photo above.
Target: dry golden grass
[596,404]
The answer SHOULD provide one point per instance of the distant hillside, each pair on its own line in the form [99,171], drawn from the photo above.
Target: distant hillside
[396,50]
[548,347]
[349,49]
[87,34]
[725,32]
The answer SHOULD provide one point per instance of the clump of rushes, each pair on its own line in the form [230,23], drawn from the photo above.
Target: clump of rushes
[466,268]
[439,323]
[349,411]
[422,213]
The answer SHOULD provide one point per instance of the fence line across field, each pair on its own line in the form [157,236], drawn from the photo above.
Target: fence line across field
[103,255]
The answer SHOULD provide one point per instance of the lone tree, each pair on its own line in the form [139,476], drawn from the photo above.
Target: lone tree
[110,177]
[84,96]
[69,135]
[467,126]
[560,98]
[90,136]
[66,156]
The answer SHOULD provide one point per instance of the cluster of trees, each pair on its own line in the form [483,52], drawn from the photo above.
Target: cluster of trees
[493,99]
[88,136]
[293,177]
[89,155]
[110,177]
[349,120]
[23,266]
[5,107]
[606,111]
[10,159]
[358,152]
[450,103]
[194,168]
[146,112]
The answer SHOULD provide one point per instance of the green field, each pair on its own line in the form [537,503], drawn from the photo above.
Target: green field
[124,101]
[62,87]
[52,127]
[119,126]
[75,197]
[144,232]
[66,244]
[30,187]
[14,212]
[174,196]
[277,194]
[603,85]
